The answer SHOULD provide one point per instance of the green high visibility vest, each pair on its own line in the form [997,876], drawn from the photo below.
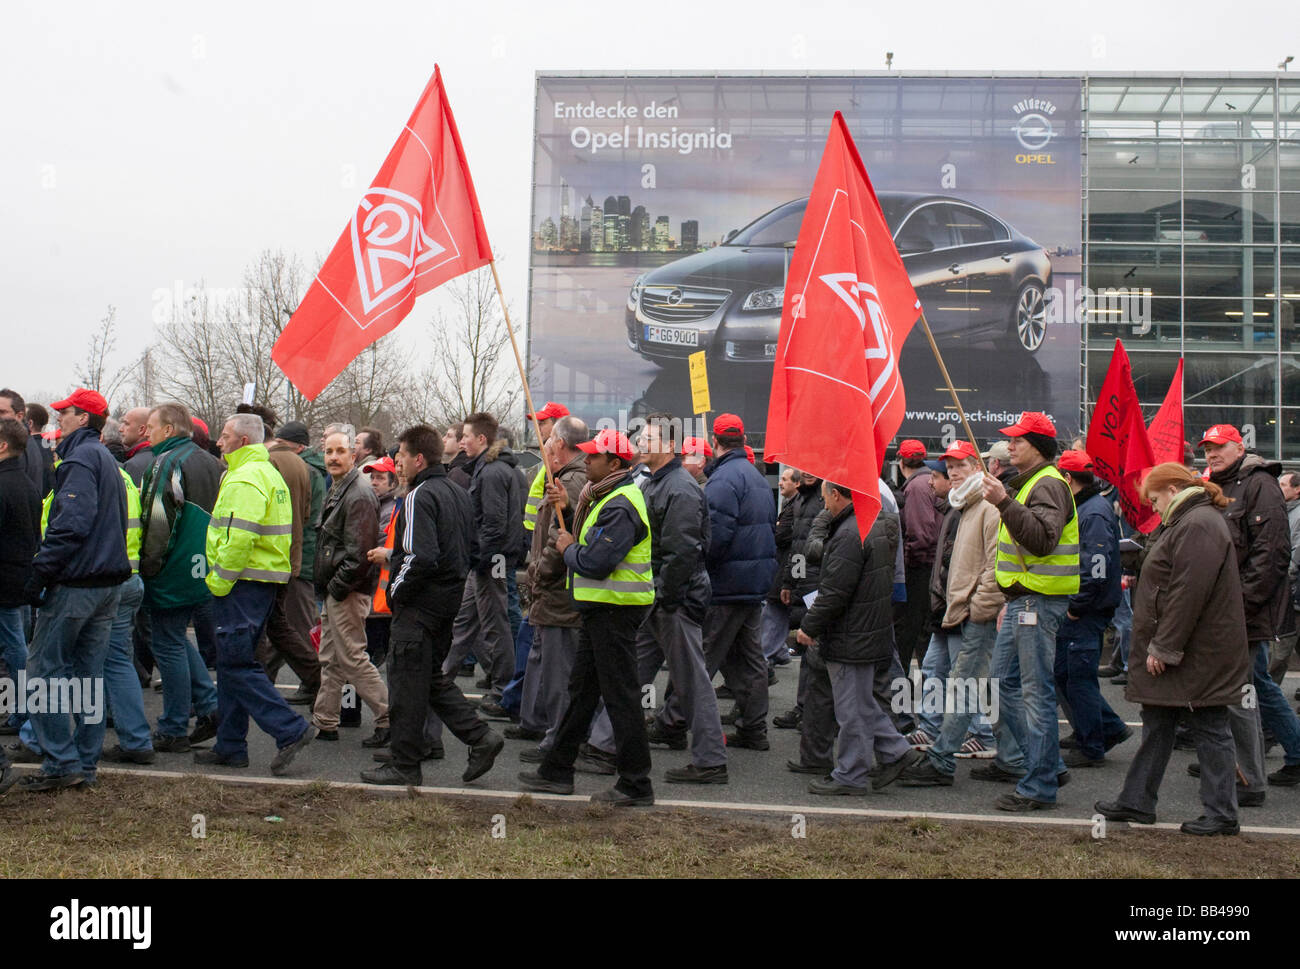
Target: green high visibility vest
[1054,574]
[632,583]
[251,531]
[536,492]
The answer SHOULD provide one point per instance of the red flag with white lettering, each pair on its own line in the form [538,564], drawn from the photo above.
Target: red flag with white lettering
[1117,440]
[1166,429]
[837,396]
[417,226]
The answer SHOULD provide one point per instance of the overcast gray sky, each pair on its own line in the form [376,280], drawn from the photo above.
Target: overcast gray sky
[149,143]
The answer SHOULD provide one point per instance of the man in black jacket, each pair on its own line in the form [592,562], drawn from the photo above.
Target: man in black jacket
[36,459]
[349,529]
[20,536]
[1257,518]
[850,629]
[76,582]
[679,530]
[496,493]
[431,550]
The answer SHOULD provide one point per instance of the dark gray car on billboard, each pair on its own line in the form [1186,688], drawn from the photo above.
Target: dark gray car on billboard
[977,279]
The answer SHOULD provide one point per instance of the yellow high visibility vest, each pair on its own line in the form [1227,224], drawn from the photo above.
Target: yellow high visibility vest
[632,583]
[1054,574]
[251,531]
[536,492]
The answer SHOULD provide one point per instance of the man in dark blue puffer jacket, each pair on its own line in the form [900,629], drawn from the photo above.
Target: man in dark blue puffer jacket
[742,564]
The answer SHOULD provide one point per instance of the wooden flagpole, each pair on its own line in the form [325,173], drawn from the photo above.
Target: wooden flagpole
[925,324]
[523,376]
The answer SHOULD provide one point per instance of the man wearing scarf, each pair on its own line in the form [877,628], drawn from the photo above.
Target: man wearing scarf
[612,584]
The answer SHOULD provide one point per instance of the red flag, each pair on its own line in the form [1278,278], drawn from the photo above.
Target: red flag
[417,226]
[1117,440]
[837,397]
[1166,429]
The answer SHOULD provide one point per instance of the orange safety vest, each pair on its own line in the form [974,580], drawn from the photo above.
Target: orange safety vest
[379,606]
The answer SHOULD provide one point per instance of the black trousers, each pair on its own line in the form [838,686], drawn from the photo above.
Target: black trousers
[605,669]
[417,647]
[910,637]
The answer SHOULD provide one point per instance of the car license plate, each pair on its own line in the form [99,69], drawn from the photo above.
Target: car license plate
[769,349]
[672,335]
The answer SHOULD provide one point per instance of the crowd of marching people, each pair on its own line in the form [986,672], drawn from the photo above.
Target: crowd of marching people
[380,571]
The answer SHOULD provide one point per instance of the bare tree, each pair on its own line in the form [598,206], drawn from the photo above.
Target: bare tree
[192,358]
[472,367]
[93,372]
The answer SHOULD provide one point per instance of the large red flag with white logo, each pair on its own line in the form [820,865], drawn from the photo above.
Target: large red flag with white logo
[1166,429]
[1117,440]
[417,226]
[837,396]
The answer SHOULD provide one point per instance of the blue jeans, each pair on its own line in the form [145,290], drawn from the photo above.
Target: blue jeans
[1024,660]
[970,656]
[513,614]
[1123,623]
[13,650]
[934,665]
[1277,715]
[512,696]
[243,688]
[121,683]
[1078,650]
[71,640]
[185,679]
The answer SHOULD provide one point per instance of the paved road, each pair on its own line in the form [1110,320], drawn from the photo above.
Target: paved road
[760,778]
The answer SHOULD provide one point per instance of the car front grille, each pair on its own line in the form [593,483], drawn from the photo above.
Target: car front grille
[681,304]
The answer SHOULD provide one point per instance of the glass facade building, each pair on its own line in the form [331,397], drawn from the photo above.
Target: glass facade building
[1191,198]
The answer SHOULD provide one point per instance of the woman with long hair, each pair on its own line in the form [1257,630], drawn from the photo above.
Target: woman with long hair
[1189,656]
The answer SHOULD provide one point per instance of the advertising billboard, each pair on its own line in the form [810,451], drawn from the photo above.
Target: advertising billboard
[665,209]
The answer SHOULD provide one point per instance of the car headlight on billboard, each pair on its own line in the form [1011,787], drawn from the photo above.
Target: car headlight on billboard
[765,299]
[634,297]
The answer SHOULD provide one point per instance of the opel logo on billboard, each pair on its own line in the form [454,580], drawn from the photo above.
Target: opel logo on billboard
[1033,131]
[675,297]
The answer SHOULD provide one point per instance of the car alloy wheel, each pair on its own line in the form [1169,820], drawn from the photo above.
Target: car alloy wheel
[1030,318]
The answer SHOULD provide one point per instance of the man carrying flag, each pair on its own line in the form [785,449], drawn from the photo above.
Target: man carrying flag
[417,226]
[849,306]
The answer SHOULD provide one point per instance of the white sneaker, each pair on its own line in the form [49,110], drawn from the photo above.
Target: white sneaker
[919,740]
[972,749]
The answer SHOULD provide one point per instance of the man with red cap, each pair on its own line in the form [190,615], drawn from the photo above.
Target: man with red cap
[611,579]
[1078,641]
[921,513]
[741,561]
[965,600]
[696,455]
[1038,571]
[76,581]
[1256,516]
[546,418]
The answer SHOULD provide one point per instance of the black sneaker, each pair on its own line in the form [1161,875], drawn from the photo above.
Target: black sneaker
[285,755]
[211,757]
[164,744]
[799,767]
[1288,776]
[533,755]
[117,754]
[1020,804]
[379,738]
[992,772]
[690,774]
[330,735]
[593,761]
[619,799]
[386,756]
[752,741]
[205,728]
[1077,758]
[656,733]
[1114,811]
[516,732]
[1208,827]
[388,774]
[729,718]
[829,786]
[889,772]
[482,756]
[1116,741]
[1109,670]
[41,781]
[788,721]
[924,774]
[1247,798]
[530,781]
[301,697]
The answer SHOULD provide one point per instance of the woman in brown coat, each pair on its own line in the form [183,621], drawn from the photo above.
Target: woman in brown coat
[1189,655]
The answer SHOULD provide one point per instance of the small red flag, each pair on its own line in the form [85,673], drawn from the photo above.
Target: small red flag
[1117,440]
[1166,429]
[417,226]
[837,396]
